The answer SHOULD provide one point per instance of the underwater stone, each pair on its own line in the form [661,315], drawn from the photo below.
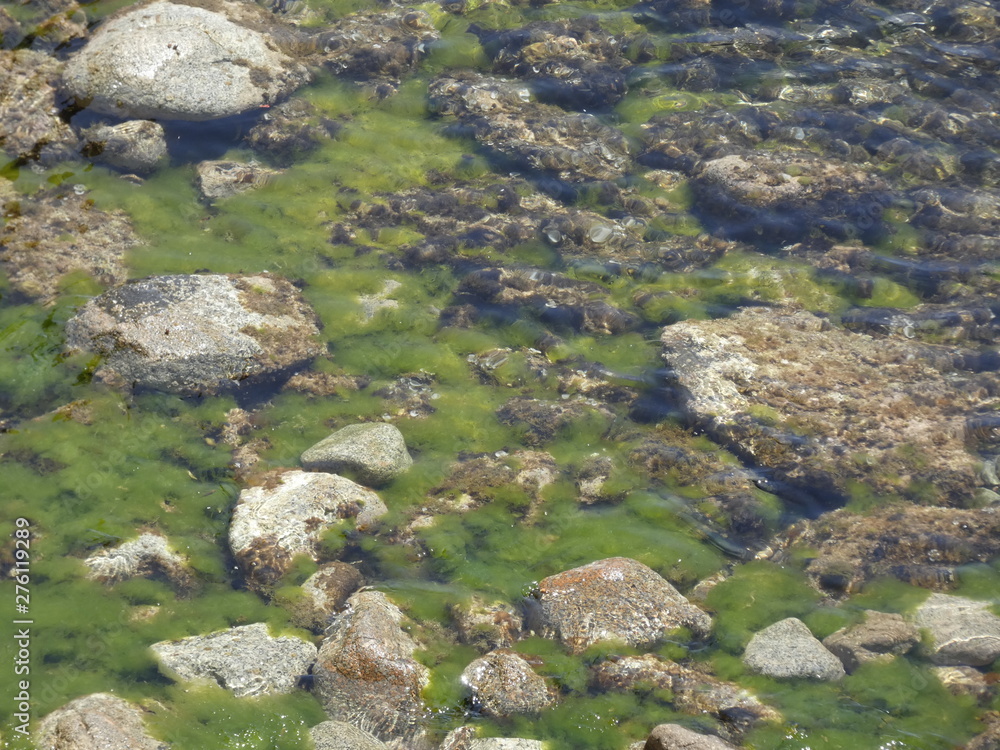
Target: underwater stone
[288,515]
[788,649]
[373,452]
[503,684]
[99,721]
[224,179]
[880,637]
[676,737]
[339,735]
[163,60]
[325,592]
[366,672]
[963,632]
[30,126]
[613,599]
[246,660]
[197,334]
[135,146]
[148,556]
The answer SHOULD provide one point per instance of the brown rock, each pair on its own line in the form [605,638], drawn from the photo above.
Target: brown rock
[503,684]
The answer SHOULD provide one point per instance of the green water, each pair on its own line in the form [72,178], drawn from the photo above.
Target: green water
[115,465]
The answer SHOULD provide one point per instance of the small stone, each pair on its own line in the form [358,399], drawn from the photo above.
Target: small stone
[487,626]
[503,684]
[148,556]
[326,591]
[375,453]
[676,737]
[135,146]
[96,722]
[880,637]
[224,179]
[788,649]
[339,735]
[246,660]
[963,632]
[966,681]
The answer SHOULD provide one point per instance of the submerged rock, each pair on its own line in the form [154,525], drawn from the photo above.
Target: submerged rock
[288,516]
[58,234]
[375,453]
[366,674]
[339,735]
[165,60]
[30,126]
[963,632]
[676,737]
[148,556]
[821,407]
[134,146]
[224,179]
[197,334]
[881,637]
[788,649]
[487,627]
[325,593]
[290,130]
[99,721]
[543,420]
[613,599]
[246,660]
[503,683]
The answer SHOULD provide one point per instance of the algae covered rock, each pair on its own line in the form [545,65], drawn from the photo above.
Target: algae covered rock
[366,672]
[164,60]
[788,649]
[613,599]
[99,721]
[197,334]
[246,660]
[375,453]
[147,556]
[963,632]
[288,514]
[503,683]
[676,737]
[325,593]
[223,179]
[880,637]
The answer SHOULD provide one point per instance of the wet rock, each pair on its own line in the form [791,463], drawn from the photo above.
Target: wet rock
[487,627]
[676,737]
[148,556]
[819,407]
[289,514]
[291,130]
[575,64]
[99,721]
[197,334]
[591,480]
[966,681]
[134,146]
[919,545]
[926,322]
[366,673]
[339,735]
[693,692]
[246,660]
[501,116]
[163,60]
[410,395]
[224,179]
[48,25]
[963,632]
[371,304]
[881,637]
[543,420]
[375,453]
[505,743]
[613,599]
[788,649]
[503,684]
[30,127]
[990,738]
[325,593]
[58,234]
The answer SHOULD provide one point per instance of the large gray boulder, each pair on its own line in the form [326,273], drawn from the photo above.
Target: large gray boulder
[197,334]
[246,660]
[374,453]
[503,683]
[288,516]
[789,649]
[963,632]
[96,722]
[164,60]
[617,598]
[366,673]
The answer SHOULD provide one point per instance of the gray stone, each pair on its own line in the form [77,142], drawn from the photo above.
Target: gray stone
[617,598]
[881,637]
[366,673]
[96,722]
[246,660]
[147,556]
[788,649]
[224,179]
[963,632]
[503,683]
[288,515]
[197,334]
[325,592]
[162,60]
[30,126]
[676,737]
[505,743]
[339,735]
[135,146]
[374,453]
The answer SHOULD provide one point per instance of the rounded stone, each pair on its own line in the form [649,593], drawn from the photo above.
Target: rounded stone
[99,721]
[963,632]
[788,649]
[339,735]
[374,453]
[135,146]
[503,683]
[165,60]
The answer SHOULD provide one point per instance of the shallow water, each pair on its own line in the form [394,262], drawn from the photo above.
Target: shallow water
[153,461]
